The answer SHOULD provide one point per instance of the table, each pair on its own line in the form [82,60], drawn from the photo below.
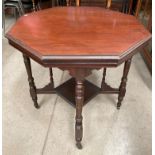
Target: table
[78,39]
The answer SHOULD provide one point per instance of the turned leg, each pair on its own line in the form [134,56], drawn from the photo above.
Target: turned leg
[31,80]
[79,98]
[103,79]
[122,88]
[51,77]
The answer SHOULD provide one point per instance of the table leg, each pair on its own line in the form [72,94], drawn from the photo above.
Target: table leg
[51,77]
[103,78]
[31,80]
[79,98]
[122,88]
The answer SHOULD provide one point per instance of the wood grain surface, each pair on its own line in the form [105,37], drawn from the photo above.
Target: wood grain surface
[88,32]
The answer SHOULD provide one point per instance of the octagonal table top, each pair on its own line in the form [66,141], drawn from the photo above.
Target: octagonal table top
[78,35]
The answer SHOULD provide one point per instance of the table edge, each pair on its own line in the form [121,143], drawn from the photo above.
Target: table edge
[74,60]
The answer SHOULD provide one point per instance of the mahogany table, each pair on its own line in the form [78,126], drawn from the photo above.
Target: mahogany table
[78,39]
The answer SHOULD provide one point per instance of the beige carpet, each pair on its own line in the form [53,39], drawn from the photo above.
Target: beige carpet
[50,130]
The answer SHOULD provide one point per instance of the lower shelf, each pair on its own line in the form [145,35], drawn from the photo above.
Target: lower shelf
[67,91]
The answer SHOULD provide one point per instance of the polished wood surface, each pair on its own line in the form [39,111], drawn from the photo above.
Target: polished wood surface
[78,39]
[78,31]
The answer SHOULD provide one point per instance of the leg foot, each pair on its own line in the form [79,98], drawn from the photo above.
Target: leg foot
[79,145]
[36,106]
[118,105]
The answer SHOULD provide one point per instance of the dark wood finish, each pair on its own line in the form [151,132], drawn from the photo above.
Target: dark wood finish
[122,88]
[48,89]
[31,80]
[107,89]
[78,39]
[130,6]
[67,91]
[104,41]
[79,98]
[103,79]
[51,77]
